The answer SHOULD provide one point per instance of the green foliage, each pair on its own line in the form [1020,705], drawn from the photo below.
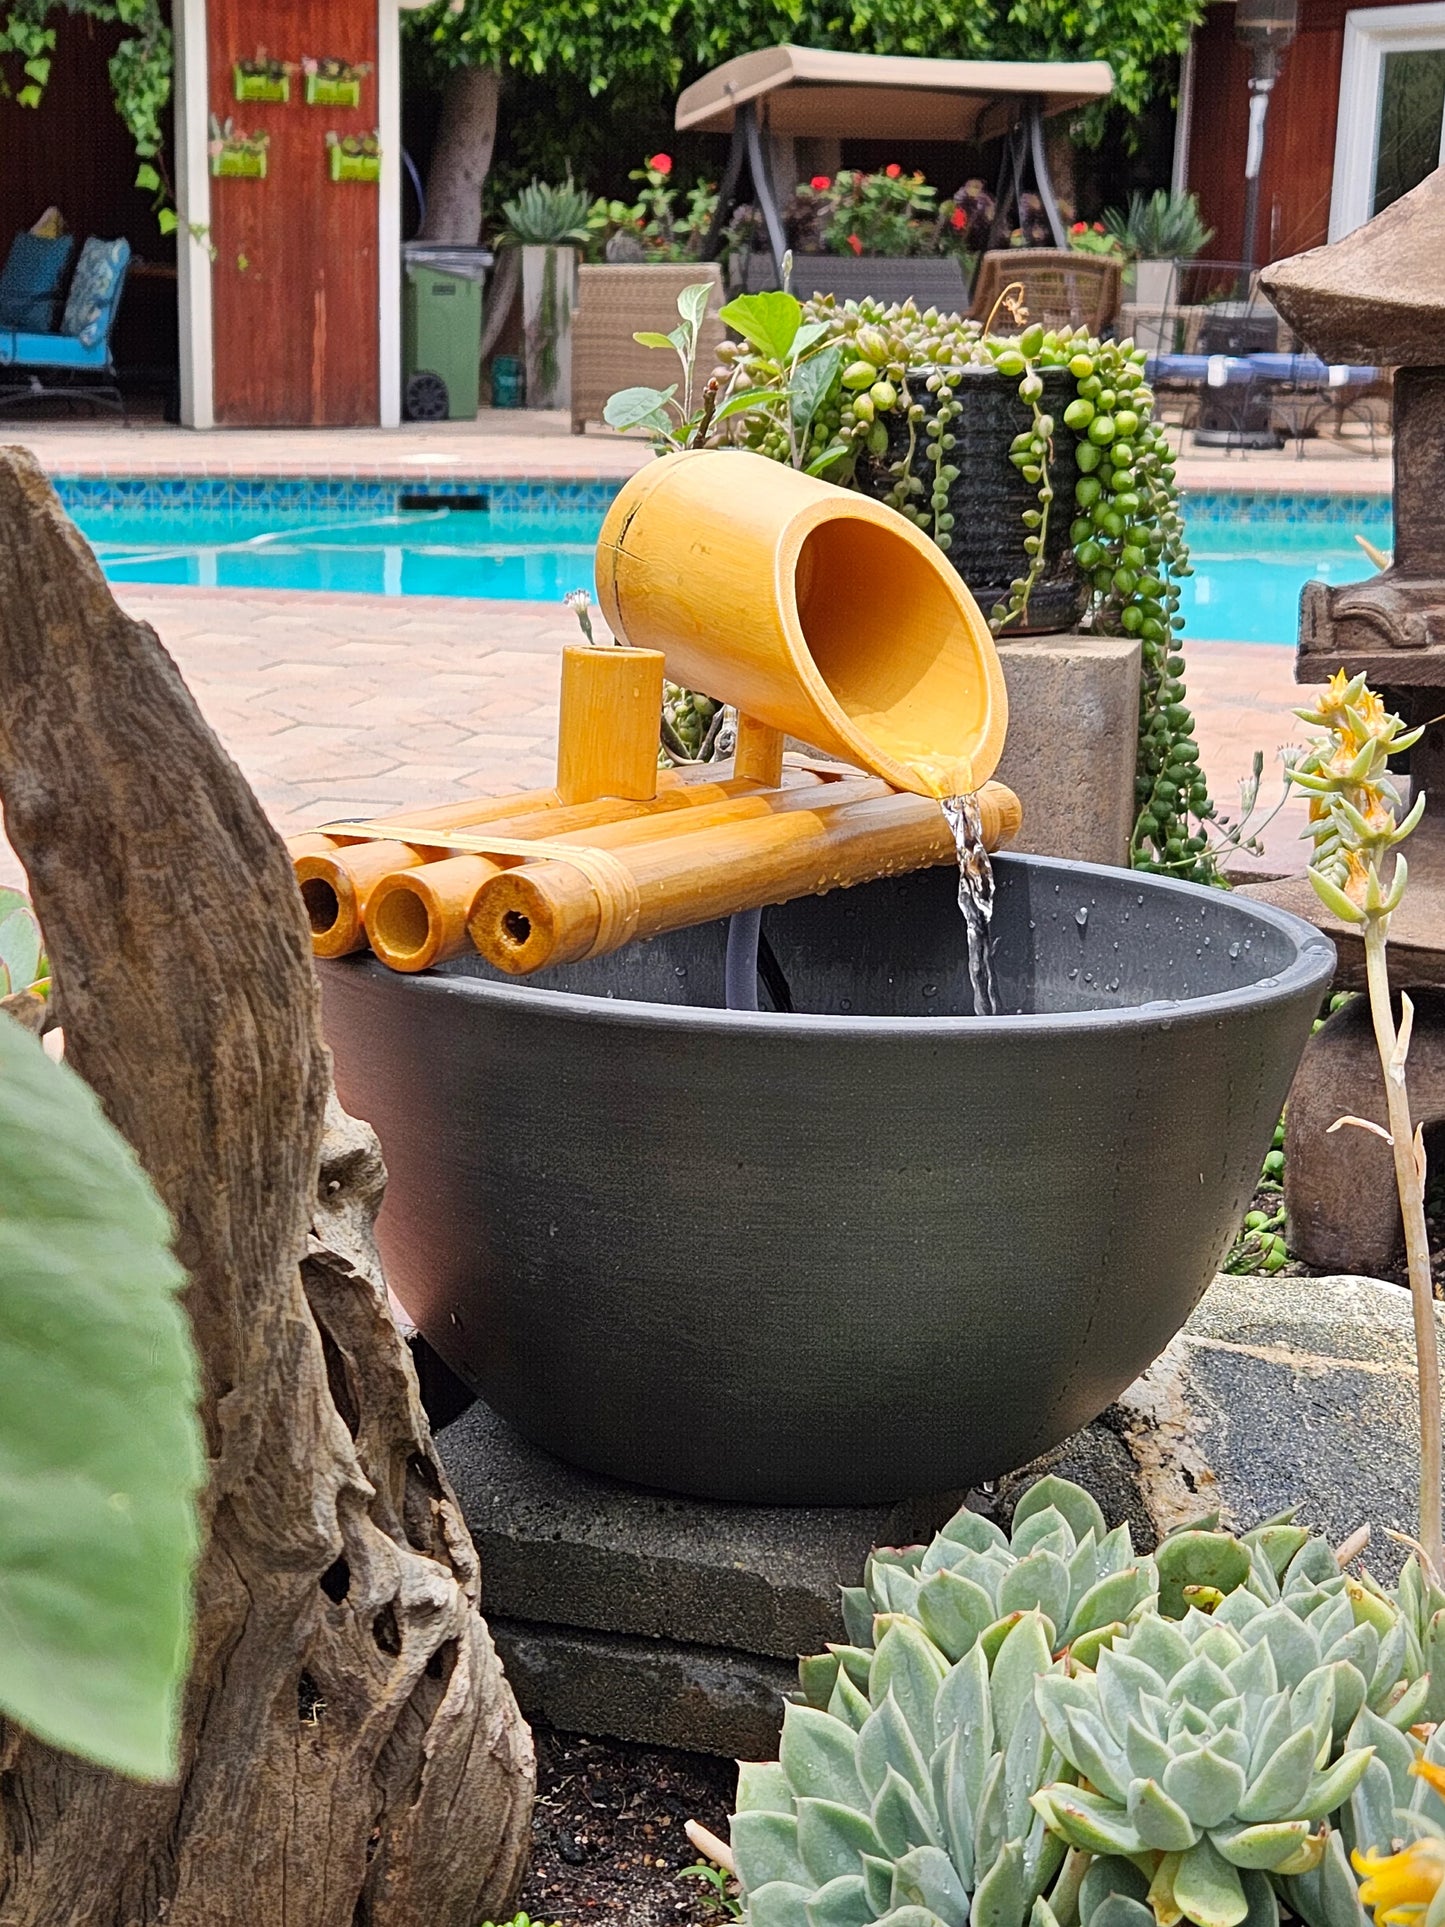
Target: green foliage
[140,68]
[545,216]
[1162,226]
[101,1451]
[716,1887]
[1193,1753]
[889,212]
[663,44]
[520,1920]
[23,963]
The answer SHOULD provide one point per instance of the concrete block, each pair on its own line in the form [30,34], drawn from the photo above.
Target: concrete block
[565,1547]
[1073,730]
[655,1692]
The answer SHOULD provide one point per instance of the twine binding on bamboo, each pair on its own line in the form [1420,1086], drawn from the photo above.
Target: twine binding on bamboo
[618,902]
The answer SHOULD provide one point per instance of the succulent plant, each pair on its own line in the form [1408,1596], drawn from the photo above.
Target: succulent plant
[1209,1747]
[908,1800]
[973,1580]
[22,948]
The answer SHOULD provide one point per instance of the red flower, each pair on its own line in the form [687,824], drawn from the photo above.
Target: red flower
[893,170]
[1079,227]
[661,163]
[820,183]
[1098,227]
[855,244]
[959,218]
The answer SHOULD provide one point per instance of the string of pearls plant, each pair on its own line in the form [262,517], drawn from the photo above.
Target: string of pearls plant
[1126,531]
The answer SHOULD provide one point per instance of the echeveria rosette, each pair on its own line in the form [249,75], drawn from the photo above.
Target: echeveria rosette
[909,1801]
[972,1581]
[1202,1753]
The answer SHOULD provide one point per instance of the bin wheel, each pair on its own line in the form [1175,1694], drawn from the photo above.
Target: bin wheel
[426,397]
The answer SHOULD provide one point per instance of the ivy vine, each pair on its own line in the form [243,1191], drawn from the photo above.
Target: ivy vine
[140,75]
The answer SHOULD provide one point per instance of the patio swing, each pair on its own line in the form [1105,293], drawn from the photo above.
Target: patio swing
[813,92]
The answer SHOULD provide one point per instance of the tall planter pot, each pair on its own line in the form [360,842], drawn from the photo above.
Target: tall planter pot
[990,496]
[549,301]
[1153,285]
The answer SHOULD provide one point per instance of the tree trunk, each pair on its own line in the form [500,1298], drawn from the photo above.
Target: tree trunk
[462,156]
[351,1755]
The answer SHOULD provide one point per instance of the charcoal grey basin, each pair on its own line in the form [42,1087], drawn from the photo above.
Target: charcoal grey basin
[876,1248]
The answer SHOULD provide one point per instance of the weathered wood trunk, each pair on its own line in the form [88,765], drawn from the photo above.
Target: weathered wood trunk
[462,157]
[351,1753]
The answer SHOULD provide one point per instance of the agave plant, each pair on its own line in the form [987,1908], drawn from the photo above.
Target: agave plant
[1160,226]
[1208,1749]
[907,1800]
[545,216]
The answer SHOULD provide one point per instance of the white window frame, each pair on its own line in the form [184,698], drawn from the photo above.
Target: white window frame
[1370,34]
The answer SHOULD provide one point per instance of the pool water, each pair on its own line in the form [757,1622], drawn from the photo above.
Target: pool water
[1252,553]
[431,552]
[1247,579]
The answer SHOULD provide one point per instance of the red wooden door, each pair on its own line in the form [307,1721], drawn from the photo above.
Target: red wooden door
[294,272]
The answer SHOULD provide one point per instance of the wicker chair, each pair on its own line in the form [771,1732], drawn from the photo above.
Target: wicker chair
[1062,289]
[613,304]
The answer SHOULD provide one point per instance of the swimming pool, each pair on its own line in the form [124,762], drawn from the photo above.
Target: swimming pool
[533,541]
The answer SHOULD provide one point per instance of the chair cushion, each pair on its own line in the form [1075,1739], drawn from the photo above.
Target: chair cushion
[30,281]
[21,350]
[95,291]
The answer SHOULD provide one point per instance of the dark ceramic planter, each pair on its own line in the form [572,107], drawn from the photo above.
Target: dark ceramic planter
[881,1247]
[989,498]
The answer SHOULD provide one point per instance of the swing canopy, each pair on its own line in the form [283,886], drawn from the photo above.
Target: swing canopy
[814,91]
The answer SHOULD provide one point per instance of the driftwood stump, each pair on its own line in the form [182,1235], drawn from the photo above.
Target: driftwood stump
[351,1754]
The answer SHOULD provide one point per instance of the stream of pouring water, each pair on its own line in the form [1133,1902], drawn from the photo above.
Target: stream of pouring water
[975,897]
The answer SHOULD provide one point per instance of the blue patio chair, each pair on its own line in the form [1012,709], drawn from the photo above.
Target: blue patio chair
[75,360]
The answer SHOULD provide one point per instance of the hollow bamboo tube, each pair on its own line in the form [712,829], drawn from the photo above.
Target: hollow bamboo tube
[336,886]
[826,615]
[548,913]
[417,916]
[607,723]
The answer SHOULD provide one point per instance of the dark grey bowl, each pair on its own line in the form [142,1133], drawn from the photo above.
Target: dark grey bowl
[877,1248]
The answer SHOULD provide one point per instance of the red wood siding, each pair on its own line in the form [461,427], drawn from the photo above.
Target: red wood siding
[1299,159]
[294,277]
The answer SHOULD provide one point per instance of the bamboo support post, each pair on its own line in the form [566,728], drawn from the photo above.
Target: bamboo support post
[759,752]
[548,913]
[607,724]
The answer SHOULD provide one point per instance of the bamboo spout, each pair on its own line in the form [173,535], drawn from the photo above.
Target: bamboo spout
[552,912]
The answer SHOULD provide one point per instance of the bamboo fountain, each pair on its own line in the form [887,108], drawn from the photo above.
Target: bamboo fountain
[863,1241]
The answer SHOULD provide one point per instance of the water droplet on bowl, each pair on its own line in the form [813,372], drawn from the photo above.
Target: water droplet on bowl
[1081,915]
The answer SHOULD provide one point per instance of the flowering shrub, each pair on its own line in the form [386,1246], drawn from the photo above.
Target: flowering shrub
[1085,238]
[654,227]
[886,213]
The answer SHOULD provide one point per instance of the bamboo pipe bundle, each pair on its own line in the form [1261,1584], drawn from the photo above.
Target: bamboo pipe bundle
[340,873]
[417,916]
[547,913]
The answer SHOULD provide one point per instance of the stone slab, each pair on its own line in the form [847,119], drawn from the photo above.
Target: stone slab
[1073,731]
[1279,1392]
[654,1692]
[566,1547]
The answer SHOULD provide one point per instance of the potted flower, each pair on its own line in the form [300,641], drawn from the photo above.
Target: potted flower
[234,155]
[857,235]
[262,78]
[334,83]
[550,225]
[354,157]
[1087,237]
[1156,231]
[652,228]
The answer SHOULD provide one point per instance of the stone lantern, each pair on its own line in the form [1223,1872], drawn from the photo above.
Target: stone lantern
[1378,297]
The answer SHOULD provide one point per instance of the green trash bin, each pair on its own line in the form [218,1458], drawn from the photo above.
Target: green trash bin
[441,331]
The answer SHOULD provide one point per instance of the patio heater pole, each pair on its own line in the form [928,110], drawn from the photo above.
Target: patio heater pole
[1266,27]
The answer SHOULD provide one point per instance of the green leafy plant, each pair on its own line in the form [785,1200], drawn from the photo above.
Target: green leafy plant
[717,1888]
[98,1526]
[1094,238]
[542,215]
[890,212]
[23,962]
[654,227]
[1162,226]
[520,1920]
